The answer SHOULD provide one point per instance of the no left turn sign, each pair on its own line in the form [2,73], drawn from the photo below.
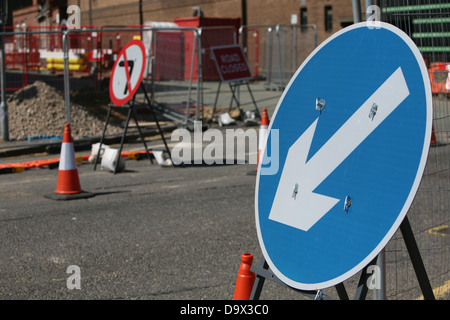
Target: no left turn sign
[127,72]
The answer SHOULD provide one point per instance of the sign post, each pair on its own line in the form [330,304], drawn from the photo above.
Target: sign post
[354,126]
[234,70]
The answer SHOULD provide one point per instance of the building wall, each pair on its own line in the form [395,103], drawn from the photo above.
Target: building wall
[342,15]
[259,12]
[25,16]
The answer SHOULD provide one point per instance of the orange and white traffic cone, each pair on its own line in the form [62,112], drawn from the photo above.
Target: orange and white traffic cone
[68,184]
[245,278]
[433,137]
[262,137]
[68,181]
[262,133]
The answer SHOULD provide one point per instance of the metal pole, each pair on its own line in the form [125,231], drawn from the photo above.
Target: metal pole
[368,4]
[90,12]
[188,103]
[269,49]
[380,292]
[356,11]
[280,62]
[66,74]
[199,74]
[141,14]
[3,106]
[294,40]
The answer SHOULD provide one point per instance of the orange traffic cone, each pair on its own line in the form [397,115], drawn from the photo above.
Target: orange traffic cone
[245,278]
[68,184]
[433,136]
[68,181]
[262,133]
[262,137]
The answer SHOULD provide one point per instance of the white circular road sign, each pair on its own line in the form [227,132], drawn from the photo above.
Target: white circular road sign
[127,72]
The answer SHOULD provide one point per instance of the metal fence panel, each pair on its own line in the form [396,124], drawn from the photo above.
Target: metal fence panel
[427,22]
[275,52]
[90,56]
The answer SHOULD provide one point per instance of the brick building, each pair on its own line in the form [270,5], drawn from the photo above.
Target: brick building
[274,50]
[328,15]
[34,13]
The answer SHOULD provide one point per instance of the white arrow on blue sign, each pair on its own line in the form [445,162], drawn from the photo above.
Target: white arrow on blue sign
[354,130]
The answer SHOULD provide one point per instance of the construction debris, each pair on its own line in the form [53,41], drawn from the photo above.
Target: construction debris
[38,110]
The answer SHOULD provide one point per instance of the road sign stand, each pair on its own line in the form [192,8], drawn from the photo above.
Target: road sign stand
[262,273]
[131,113]
[131,58]
[156,120]
[416,260]
[234,87]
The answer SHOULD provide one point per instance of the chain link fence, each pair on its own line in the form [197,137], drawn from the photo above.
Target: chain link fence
[427,22]
[275,52]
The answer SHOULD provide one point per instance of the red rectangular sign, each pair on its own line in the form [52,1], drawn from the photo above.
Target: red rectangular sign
[231,63]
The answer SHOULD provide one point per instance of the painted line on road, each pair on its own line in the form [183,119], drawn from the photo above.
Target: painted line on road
[441,291]
[442,231]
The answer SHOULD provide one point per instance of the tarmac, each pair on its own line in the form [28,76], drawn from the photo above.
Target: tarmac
[121,237]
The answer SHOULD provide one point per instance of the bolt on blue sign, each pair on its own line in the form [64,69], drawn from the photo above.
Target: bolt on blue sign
[354,129]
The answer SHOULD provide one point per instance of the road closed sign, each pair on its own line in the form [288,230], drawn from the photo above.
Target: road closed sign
[231,63]
[127,72]
[354,127]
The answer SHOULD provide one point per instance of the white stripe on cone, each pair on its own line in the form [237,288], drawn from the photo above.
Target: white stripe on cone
[67,160]
[262,140]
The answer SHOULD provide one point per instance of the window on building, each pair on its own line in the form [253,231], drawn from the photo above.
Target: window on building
[303,19]
[328,18]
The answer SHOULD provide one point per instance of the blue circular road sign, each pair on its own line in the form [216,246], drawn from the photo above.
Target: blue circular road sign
[344,157]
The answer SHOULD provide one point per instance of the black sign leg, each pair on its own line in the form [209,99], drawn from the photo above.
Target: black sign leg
[262,273]
[234,88]
[156,119]
[361,290]
[123,137]
[342,293]
[102,138]
[254,101]
[215,103]
[140,133]
[416,260]
[259,282]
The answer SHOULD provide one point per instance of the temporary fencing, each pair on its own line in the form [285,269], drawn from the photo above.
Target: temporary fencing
[179,67]
[177,61]
[428,24]
[275,52]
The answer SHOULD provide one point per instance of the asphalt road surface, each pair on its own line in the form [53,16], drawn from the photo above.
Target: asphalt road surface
[150,233]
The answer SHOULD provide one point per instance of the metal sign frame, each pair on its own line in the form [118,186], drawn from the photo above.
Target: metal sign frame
[131,95]
[263,272]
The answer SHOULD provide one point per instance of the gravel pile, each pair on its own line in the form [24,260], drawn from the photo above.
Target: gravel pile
[38,111]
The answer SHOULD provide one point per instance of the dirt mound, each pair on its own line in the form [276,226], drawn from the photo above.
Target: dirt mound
[38,111]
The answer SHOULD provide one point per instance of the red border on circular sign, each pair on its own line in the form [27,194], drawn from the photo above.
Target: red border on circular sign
[116,101]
